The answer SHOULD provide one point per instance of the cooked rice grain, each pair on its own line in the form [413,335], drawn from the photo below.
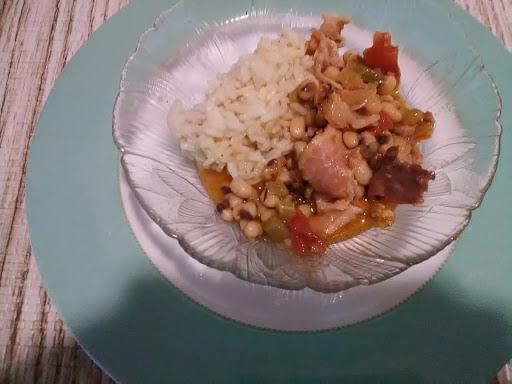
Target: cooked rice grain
[242,123]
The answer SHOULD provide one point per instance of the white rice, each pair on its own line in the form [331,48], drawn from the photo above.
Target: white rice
[243,122]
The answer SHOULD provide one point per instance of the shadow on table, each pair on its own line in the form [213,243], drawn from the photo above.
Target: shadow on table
[459,338]
[189,343]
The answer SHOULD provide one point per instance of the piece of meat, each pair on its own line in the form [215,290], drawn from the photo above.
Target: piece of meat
[322,93]
[339,114]
[321,62]
[304,240]
[313,42]
[404,130]
[324,205]
[332,26]
[398,182]
[328,223]
[324,163]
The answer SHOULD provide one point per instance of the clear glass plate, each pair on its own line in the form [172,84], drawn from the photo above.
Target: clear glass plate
[440,72]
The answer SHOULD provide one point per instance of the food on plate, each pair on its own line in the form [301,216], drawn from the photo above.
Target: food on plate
[304,143]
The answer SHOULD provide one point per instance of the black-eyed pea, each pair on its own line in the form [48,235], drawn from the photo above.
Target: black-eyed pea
[233,200]
[392,111]
[253,229]
[388,85]
[305,209]
[373,106]
[298,127]
[369,145]
[236,212]
[269,200]
[363,173]
[367,137]
[385,142]
[387,98]
[241,188]
[254,195]
[351,139]
[227,214]
[243,224]
[251,208]
[307,90]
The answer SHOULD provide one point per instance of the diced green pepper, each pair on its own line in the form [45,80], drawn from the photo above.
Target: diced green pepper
[277,188]
[285,209]
[349,79]
[367,74]
[275,230]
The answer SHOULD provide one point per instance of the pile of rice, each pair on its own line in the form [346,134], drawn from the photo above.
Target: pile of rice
[244,121]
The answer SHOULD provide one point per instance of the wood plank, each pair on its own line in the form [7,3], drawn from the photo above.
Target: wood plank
[37,39]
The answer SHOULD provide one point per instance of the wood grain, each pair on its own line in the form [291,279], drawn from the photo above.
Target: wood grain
[37,39]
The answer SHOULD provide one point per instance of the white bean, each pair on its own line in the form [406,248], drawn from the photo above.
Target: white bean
[234,200]
[251,208]
[298,127]
[269,200]
[243,224]
[367,137]
[241,188]
[373,105]
[227,214]
[387,98]
[392,111]
[363,173]
[351,139]
[387,144]
[388,85]
[305,209]
[253,229]
[236,212]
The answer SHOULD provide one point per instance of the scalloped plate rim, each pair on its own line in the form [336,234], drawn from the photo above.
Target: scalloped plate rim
[492,165]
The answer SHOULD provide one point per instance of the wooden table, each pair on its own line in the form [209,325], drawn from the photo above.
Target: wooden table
[37,39]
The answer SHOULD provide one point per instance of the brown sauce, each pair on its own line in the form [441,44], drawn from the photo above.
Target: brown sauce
[214,181]
[361,223]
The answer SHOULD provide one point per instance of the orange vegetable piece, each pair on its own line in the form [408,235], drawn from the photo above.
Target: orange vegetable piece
[382,54]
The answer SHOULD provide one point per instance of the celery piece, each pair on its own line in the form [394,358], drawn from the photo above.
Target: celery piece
[275,230]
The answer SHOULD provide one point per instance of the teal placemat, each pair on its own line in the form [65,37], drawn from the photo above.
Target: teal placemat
[139,328]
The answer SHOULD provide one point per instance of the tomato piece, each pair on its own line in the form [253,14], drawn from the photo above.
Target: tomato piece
[385,124]
[304,241]
[382,54]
